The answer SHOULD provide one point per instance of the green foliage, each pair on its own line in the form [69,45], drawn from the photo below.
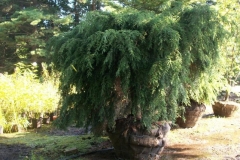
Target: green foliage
[46,146]
[21,93]
[137,62]
[25,26]
[158,6]
[231,49]
[2,118]
[24,30]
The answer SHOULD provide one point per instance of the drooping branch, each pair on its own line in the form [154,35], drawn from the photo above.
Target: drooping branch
[137,62]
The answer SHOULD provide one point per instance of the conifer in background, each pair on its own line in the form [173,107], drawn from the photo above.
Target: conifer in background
[26,26]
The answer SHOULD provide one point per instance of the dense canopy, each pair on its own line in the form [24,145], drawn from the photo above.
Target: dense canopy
[139,62]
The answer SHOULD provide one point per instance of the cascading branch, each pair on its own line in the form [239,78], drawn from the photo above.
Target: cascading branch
[139,62]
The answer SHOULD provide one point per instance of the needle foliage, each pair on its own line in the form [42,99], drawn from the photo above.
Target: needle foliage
[138,62]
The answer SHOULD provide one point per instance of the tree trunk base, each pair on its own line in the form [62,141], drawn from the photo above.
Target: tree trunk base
[130,141]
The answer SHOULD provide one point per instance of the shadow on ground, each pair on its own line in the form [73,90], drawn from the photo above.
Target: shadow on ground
[181,151]
[14,152]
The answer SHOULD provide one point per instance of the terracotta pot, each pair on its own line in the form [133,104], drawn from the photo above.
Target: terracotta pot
[130,141]
[54,118]
[225,108]
[192,115]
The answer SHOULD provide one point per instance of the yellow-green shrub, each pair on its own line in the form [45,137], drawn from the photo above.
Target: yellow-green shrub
[24,93]
[2,118]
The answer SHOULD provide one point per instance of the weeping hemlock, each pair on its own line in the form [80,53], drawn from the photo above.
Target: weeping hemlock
[136,62]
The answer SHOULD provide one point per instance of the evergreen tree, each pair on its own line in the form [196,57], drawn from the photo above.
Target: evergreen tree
[24,30]
[137,62]
[158,6]
[27,25]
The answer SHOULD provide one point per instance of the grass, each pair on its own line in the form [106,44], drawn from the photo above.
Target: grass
[51,146]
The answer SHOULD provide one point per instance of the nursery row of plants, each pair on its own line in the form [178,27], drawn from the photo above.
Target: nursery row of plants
[24,96]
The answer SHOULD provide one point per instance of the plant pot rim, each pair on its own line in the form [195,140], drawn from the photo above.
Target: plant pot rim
[228,102]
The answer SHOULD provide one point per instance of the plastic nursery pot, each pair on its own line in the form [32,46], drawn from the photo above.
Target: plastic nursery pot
[36,123]
[46,120]
[51,116]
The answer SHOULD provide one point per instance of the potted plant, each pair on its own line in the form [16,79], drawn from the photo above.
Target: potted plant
[37,120]
[226,105]
[36,123]
[227,102]
[225,108]
[53,116]
[192,114]
[132,141]
[125,73]
[32,96]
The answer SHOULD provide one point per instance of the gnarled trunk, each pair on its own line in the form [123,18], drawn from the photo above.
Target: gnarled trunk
[131,141]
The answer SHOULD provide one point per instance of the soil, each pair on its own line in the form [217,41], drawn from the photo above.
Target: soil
[13,152]
[212,138]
